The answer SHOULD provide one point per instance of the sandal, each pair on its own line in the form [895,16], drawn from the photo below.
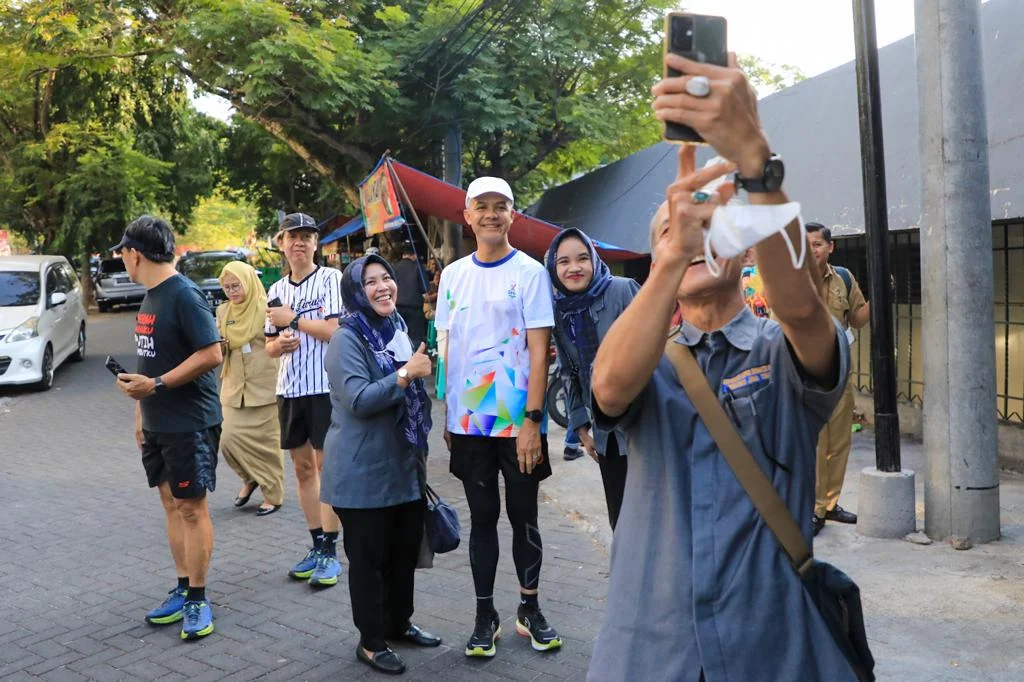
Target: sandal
[263,511]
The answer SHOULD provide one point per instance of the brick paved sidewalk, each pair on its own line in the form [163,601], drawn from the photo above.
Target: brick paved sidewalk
[83,557]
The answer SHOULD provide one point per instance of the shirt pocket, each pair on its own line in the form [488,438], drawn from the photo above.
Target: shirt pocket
[751,413]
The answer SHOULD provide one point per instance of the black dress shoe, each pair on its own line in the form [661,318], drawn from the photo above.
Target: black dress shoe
[840,515]
[387,661]
[569,454]
[263,511]
[819,523]
[243,500]
[419,637]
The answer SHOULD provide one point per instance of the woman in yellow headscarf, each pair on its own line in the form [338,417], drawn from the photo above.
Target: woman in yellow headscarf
[251,431]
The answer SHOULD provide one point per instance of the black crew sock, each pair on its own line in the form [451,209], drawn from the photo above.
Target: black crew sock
[182,583]
[318,537]
[528,601]
[329,546]
[196,594]
[485,605]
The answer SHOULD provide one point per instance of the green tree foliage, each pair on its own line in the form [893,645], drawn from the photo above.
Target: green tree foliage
[94,127]
[219,222]
[767,77]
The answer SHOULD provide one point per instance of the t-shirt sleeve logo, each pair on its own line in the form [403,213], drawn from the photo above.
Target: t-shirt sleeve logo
[144,324]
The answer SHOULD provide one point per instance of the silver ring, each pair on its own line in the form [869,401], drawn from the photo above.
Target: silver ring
[698,86]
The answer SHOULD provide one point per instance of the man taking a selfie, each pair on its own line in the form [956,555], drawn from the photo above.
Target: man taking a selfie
[699,586]
[177,413]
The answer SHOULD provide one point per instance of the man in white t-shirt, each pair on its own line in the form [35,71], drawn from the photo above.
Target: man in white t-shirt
[303,313]
[497,309]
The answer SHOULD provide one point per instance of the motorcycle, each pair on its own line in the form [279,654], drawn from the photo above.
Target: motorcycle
[556,398]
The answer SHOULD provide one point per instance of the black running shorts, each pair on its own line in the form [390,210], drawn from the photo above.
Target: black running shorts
[479,458]
[185,461]
[303,419]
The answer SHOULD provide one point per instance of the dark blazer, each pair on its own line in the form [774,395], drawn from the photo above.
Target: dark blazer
[605,310]
[367,462]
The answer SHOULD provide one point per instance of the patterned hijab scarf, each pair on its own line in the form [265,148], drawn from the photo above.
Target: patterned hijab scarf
[378,333]
[573,317]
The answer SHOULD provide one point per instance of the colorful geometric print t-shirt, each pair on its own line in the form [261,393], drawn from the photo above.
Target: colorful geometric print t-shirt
[486,309]
[317,297]
[174,322]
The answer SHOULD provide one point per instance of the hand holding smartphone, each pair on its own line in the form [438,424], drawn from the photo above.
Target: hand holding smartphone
[700,38]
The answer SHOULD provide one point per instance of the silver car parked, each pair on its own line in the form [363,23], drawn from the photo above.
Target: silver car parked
[114,287]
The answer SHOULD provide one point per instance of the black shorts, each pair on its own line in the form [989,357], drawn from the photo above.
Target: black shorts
[476,459]
[303,419]
[185,461]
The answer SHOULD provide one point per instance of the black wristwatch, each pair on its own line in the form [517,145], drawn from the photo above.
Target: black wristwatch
[536,416]
[158,385]
[294,324]
[771,177]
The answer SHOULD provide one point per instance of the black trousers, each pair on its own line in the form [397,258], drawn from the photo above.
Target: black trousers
[613,477]
[416,320]
[382,546]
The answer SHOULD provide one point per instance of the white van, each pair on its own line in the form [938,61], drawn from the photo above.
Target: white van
[42,318]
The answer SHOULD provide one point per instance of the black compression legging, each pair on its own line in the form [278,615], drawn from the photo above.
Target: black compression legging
[485,508]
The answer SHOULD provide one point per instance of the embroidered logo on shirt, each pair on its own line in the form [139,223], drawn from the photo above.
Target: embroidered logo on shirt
[512,290]
[748,377]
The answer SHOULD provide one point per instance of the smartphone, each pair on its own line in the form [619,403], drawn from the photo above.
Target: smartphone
[698,37]
[274,303]
[114,366]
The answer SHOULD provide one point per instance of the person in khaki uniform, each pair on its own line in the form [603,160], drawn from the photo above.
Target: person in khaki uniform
[845,301]
[248,394]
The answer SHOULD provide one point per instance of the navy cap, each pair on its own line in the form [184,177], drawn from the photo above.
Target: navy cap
[298,221]
[128,243]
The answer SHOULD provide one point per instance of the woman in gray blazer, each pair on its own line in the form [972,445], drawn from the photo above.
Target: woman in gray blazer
[588,298]
[375,458]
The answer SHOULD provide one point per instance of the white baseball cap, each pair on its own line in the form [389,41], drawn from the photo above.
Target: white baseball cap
[488,185]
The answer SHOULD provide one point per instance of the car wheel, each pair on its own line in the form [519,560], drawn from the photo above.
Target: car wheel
[79,354]
[103,306]
[46,383]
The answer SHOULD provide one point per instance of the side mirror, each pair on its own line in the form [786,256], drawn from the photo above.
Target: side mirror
[57,299]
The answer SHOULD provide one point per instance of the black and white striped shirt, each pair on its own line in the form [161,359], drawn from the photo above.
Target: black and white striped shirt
[317,297]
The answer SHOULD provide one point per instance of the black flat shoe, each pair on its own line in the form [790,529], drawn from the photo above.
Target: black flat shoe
[819,523]
[264,511]
[243,500]
[840,515]
[387,661]
[419,637]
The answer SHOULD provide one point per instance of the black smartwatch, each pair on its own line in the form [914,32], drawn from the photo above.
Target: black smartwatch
[158,385]
[536,416]
[294,324]
[772,175]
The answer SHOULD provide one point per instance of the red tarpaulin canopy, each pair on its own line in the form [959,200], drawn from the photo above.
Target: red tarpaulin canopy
[438,198]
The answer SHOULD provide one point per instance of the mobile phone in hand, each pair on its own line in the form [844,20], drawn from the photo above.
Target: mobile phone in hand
[274,303]
[114,366]
[700,38]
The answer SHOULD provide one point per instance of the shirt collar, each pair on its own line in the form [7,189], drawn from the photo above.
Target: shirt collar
[829,271]
[740,332]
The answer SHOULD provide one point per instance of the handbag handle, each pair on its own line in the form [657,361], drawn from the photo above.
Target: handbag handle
[757,486]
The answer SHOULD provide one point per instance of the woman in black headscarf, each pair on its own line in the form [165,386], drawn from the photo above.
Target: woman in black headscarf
[588,298]
[375,459]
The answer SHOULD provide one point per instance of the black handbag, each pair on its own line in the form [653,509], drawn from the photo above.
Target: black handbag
[833,592]
[442,524]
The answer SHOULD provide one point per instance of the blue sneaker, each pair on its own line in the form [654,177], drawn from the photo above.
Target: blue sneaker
[328,568]
[305,568]
[198,620]
[170,611]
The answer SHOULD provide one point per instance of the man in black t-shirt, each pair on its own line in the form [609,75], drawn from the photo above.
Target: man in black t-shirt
[177,416]
[411,286]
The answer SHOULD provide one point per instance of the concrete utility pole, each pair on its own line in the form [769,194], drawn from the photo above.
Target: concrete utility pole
[452,156]
[960,431]
[886,505]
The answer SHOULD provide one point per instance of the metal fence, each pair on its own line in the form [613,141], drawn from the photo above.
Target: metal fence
[905,265]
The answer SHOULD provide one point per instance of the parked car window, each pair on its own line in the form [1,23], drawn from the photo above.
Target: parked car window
[112,266]
[204,267]
[19,288]
[71,276]
[52,283]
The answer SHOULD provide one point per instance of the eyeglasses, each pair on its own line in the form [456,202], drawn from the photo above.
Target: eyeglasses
[233,288]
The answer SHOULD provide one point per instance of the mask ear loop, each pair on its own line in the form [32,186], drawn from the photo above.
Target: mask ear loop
[709,261]
[798,262]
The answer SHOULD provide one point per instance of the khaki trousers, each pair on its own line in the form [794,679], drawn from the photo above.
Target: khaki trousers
[833,454]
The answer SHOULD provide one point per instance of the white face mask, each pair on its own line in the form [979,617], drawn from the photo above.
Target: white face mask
[738,226]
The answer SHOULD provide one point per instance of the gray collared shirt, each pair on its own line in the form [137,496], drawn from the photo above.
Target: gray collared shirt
[697,580]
